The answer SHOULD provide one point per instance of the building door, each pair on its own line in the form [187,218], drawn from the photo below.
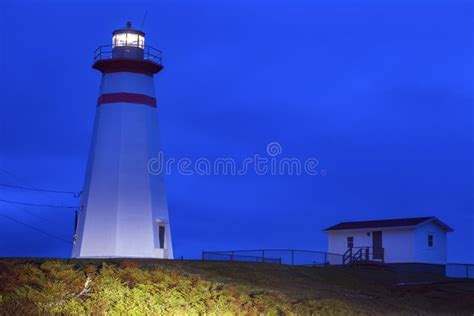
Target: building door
[377,248]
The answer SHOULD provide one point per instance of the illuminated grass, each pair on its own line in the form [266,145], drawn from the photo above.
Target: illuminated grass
[159,287]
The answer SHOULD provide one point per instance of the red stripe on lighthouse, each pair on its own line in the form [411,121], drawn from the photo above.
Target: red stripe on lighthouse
[127,98]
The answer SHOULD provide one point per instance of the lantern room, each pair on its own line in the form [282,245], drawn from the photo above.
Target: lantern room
[127,52]
[128,43]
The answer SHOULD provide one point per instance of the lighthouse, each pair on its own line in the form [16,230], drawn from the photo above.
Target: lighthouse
[123,210]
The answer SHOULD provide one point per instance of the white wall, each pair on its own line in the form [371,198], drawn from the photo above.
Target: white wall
[436,254]
[122,202]
[337,242]
[397,243]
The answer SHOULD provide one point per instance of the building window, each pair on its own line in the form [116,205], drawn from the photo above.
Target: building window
[430,240]
[350,242]
[161,235]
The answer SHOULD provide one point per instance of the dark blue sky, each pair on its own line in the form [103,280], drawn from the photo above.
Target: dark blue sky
[379,91]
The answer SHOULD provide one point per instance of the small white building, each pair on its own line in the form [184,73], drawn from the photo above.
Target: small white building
[404,240]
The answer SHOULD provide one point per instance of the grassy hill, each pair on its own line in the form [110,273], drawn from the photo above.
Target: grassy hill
[161,287]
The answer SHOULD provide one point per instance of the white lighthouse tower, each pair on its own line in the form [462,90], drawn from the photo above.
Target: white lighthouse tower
[123,209]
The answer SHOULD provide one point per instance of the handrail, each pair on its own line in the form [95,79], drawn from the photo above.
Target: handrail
[347,256]
[358,255]
[363,253]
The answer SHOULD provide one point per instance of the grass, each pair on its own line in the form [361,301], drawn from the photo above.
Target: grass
[163,287]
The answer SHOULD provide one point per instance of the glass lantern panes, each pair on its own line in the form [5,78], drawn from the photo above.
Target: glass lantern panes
[128,39]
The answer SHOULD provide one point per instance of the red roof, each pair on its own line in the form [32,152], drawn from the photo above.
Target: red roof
[399,222]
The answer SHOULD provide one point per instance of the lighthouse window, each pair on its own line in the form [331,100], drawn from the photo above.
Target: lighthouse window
[161,234]
[128,39]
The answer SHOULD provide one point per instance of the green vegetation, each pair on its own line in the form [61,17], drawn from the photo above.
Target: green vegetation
[160,287]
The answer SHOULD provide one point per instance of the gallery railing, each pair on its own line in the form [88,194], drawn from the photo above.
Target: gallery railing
[128,52]
[283,256]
